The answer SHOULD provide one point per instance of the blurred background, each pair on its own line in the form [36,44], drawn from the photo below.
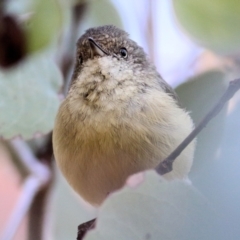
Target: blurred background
[195,46]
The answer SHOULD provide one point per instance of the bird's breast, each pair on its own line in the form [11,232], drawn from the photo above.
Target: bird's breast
[106,83]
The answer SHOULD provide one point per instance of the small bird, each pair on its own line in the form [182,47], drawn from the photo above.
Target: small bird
[119,117]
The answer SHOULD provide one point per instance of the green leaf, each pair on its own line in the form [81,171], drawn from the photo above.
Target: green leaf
[155,209]
[44,25]
[198,96]
[28,97]
[211,23]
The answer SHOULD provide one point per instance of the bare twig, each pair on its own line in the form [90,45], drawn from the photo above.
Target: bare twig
[30,188]
[29,160]
[85,227]
[166,166]
[38,212]
[39,176]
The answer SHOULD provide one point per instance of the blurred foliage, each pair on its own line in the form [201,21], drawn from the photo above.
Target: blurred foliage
[218,179]
[12,42]
[155,209]
[100,12]
[212,24]
[44,25]
[29,97]
[19,7]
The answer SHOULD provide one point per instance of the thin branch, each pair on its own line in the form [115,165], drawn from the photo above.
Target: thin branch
[166,166]
[39,214]
[39,210]
[39,177]
[85,227]
[30,188]
[29,160]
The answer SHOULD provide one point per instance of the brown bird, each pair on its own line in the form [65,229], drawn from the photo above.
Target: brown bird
[119,117]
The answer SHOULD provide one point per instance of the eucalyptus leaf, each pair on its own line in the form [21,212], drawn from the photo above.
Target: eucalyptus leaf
[29,97]
[213,24]
[156,209]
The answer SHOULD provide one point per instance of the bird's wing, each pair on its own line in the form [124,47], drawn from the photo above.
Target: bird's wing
[168,89]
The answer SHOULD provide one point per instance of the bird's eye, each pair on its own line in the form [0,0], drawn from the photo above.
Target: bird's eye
[123,53]
[80,59]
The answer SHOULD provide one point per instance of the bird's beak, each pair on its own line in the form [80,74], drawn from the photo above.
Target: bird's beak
[96,50]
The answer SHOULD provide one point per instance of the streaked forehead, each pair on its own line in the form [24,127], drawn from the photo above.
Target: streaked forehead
[102,34]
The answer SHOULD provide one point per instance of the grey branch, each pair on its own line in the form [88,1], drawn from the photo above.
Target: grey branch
[39,176]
